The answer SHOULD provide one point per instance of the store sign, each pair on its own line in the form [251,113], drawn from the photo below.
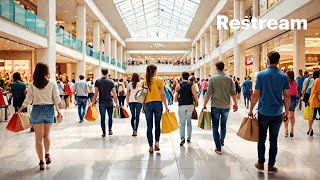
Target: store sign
[248,60]
[313,58]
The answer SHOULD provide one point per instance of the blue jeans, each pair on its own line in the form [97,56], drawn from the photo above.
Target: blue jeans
[153,109]
[82,104]
[219,116]
[185,113]
[135,109]
[103,108]
[204,92]
[246,99]
[274,124]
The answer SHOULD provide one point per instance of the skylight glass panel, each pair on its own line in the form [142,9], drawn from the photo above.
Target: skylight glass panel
[157,18]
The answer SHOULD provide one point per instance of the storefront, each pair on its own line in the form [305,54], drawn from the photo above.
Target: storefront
[249,65]
[264,5]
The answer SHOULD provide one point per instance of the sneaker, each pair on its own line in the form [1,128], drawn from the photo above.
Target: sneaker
[272,169]
[182,142]
[110,133]
[218,151]
[80,121]
[259,166]
[103,135]
[189,140]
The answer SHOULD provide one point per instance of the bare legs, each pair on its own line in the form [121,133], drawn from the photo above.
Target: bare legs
[292,122]
[42,132]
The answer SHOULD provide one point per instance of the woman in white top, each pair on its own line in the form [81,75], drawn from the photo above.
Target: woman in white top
[43,93]
[135,106]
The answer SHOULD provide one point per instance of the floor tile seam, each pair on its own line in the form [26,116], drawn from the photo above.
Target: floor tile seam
[175,156]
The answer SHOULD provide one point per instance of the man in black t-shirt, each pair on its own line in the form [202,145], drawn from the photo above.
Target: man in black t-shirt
[104,87]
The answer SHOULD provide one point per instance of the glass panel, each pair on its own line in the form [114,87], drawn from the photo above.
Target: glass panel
[8,9]
[40,26]
[19,13]
[68,40]
[30,21]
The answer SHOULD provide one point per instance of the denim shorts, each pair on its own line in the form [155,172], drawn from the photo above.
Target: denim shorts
[293,104]
[42,114]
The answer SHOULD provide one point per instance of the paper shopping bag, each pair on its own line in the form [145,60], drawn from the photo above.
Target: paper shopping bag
[249,129]
[92,113]
[24,118]
[308,113]
[115,113]
[194,115]
[169,122]
[205,121]
[124,113]
[14,124]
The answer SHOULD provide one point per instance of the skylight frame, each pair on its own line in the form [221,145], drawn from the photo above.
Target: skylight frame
[157,18]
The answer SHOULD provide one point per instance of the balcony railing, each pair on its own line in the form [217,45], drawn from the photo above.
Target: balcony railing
[14,12]
[105,58]
[68,40]
[118,64]
[113,62]
[91,52]
[124,67]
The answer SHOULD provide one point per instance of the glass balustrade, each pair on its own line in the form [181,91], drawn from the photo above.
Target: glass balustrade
[68,39]
[113,61]
[105,58]
[118,64]
[124,67]
[14,12]
[91,52]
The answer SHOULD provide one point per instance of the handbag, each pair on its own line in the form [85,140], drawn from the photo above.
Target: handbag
[205,120]
[124,113]
[169,122]
[92,113]
[194,115]
[24,118]
[62,104]
[141,94]
[308,113]
[249,129]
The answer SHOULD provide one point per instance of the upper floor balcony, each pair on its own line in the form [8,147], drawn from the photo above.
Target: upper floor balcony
[161,69]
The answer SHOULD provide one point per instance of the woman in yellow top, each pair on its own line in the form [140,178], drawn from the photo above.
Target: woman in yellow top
[314,99]
[153,105]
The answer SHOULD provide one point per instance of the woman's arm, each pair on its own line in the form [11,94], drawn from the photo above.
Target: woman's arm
[195,95]
[128,95]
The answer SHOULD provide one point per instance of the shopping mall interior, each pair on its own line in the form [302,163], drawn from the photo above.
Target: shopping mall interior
[82,37]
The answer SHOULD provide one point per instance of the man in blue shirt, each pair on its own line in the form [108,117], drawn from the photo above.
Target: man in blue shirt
[271,84]
[300,81]
[247,87]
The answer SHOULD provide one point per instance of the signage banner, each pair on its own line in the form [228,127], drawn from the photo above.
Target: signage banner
[248,60]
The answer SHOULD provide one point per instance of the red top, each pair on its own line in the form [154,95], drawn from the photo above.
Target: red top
[293,88]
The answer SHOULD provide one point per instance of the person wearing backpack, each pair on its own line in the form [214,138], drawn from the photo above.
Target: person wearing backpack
[121,92]
[186,95]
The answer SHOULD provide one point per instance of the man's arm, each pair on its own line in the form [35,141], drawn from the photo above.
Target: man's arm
[209,93]
[233,94]
[254,99]
[195,96]
[96,92]
[115,97]
[176,94]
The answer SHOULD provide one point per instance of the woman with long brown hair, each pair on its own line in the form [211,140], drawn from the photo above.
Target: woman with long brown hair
[135,106]
[44,95]
[153,105]
[293,94]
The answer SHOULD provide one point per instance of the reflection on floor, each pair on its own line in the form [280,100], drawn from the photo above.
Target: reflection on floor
[78,152]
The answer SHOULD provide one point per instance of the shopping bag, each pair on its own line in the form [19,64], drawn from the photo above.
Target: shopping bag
[92,113]
[169,122]
[115,113]
[58,119]
[308,113]
[205,121]
[14,124]
[124,113]
[24,118]
[249,129]
[3,99]
[194,115]
[62,104]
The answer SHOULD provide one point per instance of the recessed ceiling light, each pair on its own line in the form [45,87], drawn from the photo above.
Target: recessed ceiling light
[65,11]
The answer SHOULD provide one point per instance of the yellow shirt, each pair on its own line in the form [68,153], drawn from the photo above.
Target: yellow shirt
[315,94]
[154,94]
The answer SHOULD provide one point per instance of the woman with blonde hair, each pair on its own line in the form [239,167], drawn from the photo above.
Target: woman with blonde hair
[43,93]
[153,105]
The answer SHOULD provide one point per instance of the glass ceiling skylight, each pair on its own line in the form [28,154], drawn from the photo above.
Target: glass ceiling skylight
[157,18]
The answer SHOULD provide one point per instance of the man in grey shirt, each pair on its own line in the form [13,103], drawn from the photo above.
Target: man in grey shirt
[81,90]
[221,87]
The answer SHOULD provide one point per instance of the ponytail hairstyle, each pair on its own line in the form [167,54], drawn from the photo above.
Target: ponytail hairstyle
[150,73]
[135,79]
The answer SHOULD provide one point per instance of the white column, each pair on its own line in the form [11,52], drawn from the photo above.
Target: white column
[299,49]
[96,36]
[114,54]
[211,39]
[200,73]
[242,64]
[69,71]
[207,43]
[236,53]
[107,46]
[255,8]
[81,34]
[201,47]
[204,72]
[48,55]
[212,67]
[192,55]
[215,38]
[256,61]
[197,51]
[242,10]
[221,34]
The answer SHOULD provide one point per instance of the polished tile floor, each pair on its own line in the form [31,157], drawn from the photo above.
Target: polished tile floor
[78,152]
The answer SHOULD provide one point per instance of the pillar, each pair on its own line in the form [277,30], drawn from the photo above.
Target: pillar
[221,34]
[215,35]
[200,73]
[237,50]
[69,71]
[201,47]
[255,8]
[107,46]
[193,49]
[207,43]
[48,55]
[299,49]
[197,51]
[204,71]
[241,9]
[96,36]
[242,64]
[256,61]
[211,45]
[81,34]
[114,54]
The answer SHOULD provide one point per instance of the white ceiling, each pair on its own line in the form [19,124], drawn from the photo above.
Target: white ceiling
[8,45]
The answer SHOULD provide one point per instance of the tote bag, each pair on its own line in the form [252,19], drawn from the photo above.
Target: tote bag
[124,113]
[205,121]
[169,122]
[24,118]
[141,94]
[14,124]
[92,113]
[115,113]
[308,113]
[249,129]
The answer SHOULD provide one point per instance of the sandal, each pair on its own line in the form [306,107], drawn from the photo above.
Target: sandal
[291,133]
[151,150]
[286,133]
[41,165]
[156,147]
[48,159]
